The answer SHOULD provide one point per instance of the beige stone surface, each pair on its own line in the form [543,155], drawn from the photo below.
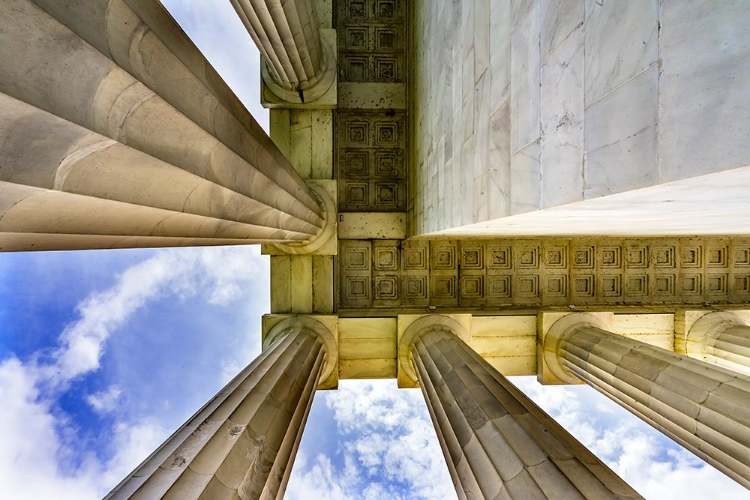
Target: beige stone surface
[372,95]
[78,161]
[721,338]
[300,60]
[160,55]
[496,441]
[700,405]
[245,438]
[372,225]
[189,129]
[322,326]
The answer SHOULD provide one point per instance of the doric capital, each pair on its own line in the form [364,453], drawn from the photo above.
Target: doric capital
[561,327]
[326,241]
[411,327]
[320,93]
[324,327]
[708,327]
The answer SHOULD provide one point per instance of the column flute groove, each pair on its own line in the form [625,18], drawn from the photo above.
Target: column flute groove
[287,33]
[702,406]
[142,38]
[497,442]
[242,442]
[721,338]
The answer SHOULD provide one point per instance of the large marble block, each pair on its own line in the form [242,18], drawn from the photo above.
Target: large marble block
[499,189]
[621,41]
[620,135]
[704,87]
[524,79]
[524,179]
[562,114]
[559,19]
[499,53]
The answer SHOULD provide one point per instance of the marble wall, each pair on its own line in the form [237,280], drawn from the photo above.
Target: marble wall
[522,105]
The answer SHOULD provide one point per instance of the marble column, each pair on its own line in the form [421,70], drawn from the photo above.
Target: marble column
[722,338]
[242,443]
[154,104]
[497,443]
[299,66]
[44,151]
[704,407]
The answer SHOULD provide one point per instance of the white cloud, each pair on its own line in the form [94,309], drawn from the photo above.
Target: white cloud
[388,445]
[219,273]
[40,456]
[651,463]
[104,401]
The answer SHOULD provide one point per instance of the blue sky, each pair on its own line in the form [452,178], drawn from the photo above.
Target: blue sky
[104,353]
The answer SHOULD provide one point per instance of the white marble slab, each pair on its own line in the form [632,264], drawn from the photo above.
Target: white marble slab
[481,37]
[620,138]
[561,115]
[482,126]
[499,189]
[518,8]
[499,53]
[464,203]
[710,204]
[559,19]
[524,79]
[620,42]
[481,201]
[524,179]
[704,87]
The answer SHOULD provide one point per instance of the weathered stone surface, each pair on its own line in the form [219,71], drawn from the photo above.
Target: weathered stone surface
[722,338]
[300,67]
[496,441]
[243,442]
[126,92]
[702,406]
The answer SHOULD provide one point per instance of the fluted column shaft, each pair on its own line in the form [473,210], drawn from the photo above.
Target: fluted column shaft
[157,105]
[721,338]
[242,443]
[142,38]
[287,34]
[497,443]
[704,407]
[76,160]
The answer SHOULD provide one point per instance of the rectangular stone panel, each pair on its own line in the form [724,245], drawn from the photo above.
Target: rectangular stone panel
[479,274]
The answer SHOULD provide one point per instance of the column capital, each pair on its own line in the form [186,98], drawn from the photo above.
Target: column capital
[322,94]
[552,329]
[325,327]
[326,241]
[707,326]
[413,326]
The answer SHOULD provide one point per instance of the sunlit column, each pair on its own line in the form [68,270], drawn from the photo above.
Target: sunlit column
[242,443]
[704,407]
[119,187]
[142,38]
[287,34]
[496,441]
[192,129]
[722,338]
